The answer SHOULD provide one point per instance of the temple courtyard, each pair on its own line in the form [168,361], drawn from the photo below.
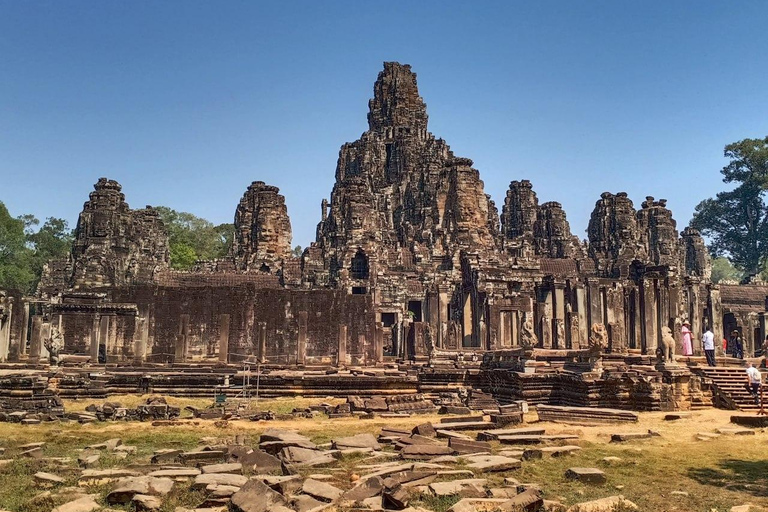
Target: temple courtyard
[302,459]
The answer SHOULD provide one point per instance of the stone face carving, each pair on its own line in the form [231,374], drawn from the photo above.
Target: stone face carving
[553,233]
[598,337]
[520,211]
[697,262]
[658,233]
[262,229]
[114,245]
[613,235]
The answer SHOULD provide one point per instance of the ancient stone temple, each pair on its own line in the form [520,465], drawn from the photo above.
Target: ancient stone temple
[412,262]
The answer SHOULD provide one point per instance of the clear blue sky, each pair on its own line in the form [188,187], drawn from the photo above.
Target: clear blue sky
[185,103]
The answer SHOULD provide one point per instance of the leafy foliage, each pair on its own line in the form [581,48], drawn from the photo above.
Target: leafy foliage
[15,256]
[192,238]
[723,270]
[736,221]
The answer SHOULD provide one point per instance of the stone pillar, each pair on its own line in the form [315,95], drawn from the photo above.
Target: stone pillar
[24,331]
[468,323]
[442,308]
[361,344]
[559,315]
[262,348]
[341,355]
[95,339]
[5,335]
[716,313]
[301,349]
[140,340]
[650,321]
[224,320]
[581,307]
[45,333]
[697,321]
[36,340]
[378,342]
[181,340]
[595,302]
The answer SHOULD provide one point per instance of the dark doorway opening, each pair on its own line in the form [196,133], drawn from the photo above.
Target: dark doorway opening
[414,307]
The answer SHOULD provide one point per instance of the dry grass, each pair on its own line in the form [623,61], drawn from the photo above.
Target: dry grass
[717,474]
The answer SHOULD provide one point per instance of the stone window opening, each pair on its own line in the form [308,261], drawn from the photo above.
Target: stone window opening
[359,267]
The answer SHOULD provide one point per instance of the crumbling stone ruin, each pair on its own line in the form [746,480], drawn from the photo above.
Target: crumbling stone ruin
[412,262]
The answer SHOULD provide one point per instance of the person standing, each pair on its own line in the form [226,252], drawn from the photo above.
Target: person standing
[735,345]
[754,381]
[687,339]
[708,342]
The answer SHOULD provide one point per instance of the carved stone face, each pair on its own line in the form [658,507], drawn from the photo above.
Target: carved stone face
[267,233]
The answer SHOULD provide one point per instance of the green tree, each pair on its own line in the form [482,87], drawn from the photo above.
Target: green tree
[192,238]
[297,251]
[723,270]
[53,240]
[15,256]
[736,221]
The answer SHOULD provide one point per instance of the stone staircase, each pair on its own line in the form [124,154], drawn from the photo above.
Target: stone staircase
[727,384]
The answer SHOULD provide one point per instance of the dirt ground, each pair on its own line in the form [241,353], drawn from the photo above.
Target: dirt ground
[673,471]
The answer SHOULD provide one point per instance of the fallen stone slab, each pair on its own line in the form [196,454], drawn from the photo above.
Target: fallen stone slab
[221,491]
[673,416]
[357,441]
[88,460]
[612,460]
[321,490]
[629,436]
[424,451]
[493,434]
[410,478]
[585,415]
[529,500]
[477,504]
[549,451]
[285,485]
[48,478]
[396,498]
[366,489]
[305,503]
[83,504]
[143,502]
[604,505]
[462,425]
[165,455]
[493,463]
[736,431]
[202,456]
[750,420]
[462,446]
[175,473]
[524,439]
[448,434]
[127,488]
[259,460]
[425,429]
[203,480]
[466,488]
[93,476]
[306,456]
[461,419]
[256,496]
[586,475]
[32,453]
[234,468]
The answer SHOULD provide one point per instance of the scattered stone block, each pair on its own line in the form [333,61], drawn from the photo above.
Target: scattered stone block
[256,496]
[48,478]
[145,502]
[82,504]
[203,480]
[586,475]
[604,505]
[736,431]
[629,436]
[674,416]
[305,456]
[233,467]
[365,489]
[424,451]
[357,441]
[175,473]
[321,490]
[492,463]
[306,503]
[462,446]
[396,497]
[466,488]
[127,488]
[529,500]
[425,429]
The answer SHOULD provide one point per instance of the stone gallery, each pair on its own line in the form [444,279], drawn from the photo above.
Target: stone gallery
[413,267]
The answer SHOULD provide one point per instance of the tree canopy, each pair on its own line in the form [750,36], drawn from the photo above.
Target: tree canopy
[24,251]
[192,238]
[736,221]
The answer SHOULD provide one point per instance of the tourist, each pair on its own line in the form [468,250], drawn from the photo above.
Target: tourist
[754,381]
[708,342]
[687,339]
[736,346]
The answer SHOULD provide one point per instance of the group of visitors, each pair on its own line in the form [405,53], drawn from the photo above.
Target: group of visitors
[734,346]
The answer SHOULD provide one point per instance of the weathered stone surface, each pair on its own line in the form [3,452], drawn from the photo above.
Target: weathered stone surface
[146,502]
[321,490]
[306,456]
[528,500]
[175,473]
[203,480]
[604,505]
[232,467]
[586,475]
[424,451]
[48,478]
[466,488]
[83,504]
[127,488]
[256,496]
[629,436]
[492,463]
[305,503]
[262,230]
[368,488]
[357,441]
[462,446]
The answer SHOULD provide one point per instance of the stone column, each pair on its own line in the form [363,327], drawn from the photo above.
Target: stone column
[36,340]
[341,355]
[595,302]
[650,342]
[716,312]
[468,335]
[262,348]
[442,307]
[379,342]
[361,345]
[181,340]
[140,342]
[95,339]
[5,335]
[45,333]
[559,316]
[581,306]
[301,349]
[224,320]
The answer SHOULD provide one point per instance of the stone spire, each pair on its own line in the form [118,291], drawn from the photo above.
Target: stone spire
[396,108]
[613,235]
[262,229]
[518,214]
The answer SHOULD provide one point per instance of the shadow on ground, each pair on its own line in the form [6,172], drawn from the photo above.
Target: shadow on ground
[747,476]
